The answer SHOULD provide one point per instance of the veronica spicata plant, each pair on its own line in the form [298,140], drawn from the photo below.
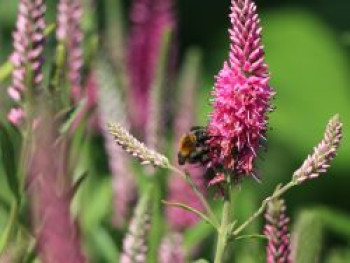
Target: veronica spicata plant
[52,108]
[236,131]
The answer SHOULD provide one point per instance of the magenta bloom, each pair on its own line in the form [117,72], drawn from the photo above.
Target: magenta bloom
[242,96]
[70,32]
[276,230]
[149,19]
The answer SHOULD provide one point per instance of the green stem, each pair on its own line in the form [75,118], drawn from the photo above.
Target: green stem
[251,236]
[223,233]
[6,70]
[6,236]
[198,193]
[276,194]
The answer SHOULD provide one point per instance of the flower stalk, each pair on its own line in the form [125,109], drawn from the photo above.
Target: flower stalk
[223,232]
[315,164]
[262,208]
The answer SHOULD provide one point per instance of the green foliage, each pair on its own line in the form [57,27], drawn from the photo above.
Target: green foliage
[310,73]
[200,261]
[338,256]
[9,158]
[245,204]
[311,229]
[307,237]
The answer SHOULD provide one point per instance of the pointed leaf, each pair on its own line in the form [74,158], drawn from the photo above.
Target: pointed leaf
[8,159]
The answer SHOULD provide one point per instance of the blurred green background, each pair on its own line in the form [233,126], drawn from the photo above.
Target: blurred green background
[308,52]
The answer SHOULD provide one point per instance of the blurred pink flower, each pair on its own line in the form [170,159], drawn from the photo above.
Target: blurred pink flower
[14,94]
[37,37]
[89,94]
[242,96]
[70,33]
[149,19]
[28,43]
[171,250]
[109,108]
[135,243]
[21,44]
[277,233]
[50,192]
[15,116]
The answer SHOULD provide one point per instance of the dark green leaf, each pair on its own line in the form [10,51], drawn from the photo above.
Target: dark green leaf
[8,158]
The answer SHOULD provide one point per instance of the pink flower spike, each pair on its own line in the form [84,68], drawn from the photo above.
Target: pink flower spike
[238,122]
[28,43]
[15,116]
[277,233]
[171,250]
[50,194]
[71,34]
[149,19]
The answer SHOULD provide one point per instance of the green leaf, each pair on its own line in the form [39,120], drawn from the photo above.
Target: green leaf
[105,245]
[311,227]
[5,70]
[257,236]
[200,261]
[244,205]
[72,117]
[196,234]
[338,256]
[96,202]
[307,237]
[191,209]
[8,159]
[152,195]
[335,221]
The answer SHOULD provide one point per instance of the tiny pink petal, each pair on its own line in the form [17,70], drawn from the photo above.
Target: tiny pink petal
[15,116]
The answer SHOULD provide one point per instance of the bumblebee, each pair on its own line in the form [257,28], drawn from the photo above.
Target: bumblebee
[193,147]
